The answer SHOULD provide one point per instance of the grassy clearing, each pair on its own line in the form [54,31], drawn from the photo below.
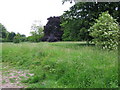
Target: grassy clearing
[63,64]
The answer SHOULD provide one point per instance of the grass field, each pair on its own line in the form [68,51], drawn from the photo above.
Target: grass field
[63,64]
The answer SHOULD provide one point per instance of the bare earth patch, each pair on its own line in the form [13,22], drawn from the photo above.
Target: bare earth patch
[11,78]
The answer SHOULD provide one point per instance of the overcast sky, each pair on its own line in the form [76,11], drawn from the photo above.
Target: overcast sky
[19,15]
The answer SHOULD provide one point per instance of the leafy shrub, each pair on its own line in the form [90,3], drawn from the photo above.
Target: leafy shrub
[16,39]
[35,38]
[23,39]
[105,31]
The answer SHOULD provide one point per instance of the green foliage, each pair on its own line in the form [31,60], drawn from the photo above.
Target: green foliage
[33,79]
[11,36]
[23,39]
[35,38]
[3,31]
[81,16]
[64,64]
[105,31]
[6,36]
[16,39]
[36,33]
[72,31]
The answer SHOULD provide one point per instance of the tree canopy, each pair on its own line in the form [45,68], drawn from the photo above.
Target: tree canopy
[52,30]
[3,31]
[36,32]
[81,16]
[105,31]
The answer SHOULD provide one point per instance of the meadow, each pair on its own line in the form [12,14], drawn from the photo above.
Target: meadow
[63,64]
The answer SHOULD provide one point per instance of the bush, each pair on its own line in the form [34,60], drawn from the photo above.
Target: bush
[23,39]
[16,39]
[35,38]
[105,31]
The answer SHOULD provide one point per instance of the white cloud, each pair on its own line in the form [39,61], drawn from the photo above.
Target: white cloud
[18,15]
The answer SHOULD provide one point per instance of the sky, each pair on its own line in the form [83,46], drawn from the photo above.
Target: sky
[19,15]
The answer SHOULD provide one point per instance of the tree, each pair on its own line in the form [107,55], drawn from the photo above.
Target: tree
[37,28]
[6,36]
[22,35]
[23,38]
[3,31]
[52,30]
[105,31]
[77,1]
[17,38]
[63,1]
[11,36]
[37,31]
[81,16]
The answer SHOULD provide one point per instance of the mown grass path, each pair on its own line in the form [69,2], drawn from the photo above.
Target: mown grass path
[11,77]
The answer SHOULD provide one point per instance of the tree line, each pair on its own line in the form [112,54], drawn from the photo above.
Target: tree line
[6,36]
[93,22]
[84,21]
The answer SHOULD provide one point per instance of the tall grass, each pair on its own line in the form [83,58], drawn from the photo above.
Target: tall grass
[64,64]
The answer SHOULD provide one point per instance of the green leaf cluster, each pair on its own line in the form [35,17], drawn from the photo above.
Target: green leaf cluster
[105,31]
[77,21]
[36,33]
[16,39]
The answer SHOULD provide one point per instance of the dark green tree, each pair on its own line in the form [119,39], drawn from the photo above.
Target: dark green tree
[23,38]
[16,38]
[3,31]
[11,36]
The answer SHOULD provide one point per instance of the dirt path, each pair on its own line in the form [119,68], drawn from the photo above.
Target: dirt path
[11,78]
